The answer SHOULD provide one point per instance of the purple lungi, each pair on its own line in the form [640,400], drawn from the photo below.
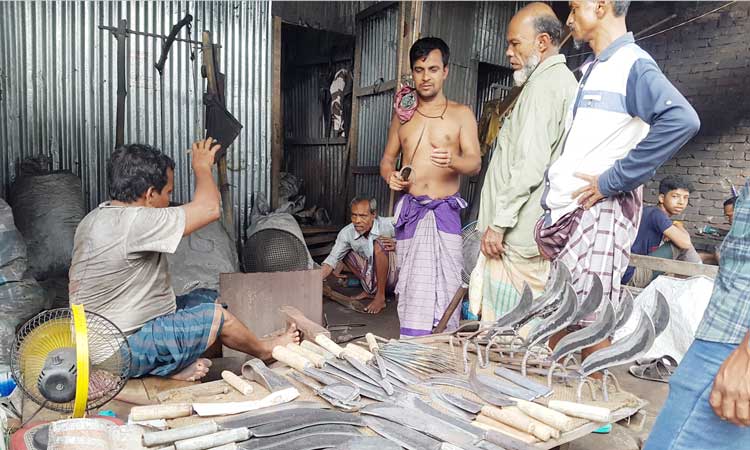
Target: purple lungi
[430,260]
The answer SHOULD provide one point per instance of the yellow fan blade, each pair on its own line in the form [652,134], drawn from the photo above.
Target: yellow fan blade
[82,361]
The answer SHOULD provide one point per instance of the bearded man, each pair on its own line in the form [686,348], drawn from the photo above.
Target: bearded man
[525,146]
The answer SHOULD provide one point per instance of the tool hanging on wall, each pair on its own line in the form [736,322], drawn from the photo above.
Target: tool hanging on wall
[121,33]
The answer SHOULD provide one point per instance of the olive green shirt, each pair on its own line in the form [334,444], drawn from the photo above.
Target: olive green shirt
[525,146]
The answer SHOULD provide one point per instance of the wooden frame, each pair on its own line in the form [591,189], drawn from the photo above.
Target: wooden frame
[277,137]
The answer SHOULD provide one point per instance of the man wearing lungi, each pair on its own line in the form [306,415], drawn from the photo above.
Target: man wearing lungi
[437,139]
[626,121]
[526,144]
[119,269]
[368,249]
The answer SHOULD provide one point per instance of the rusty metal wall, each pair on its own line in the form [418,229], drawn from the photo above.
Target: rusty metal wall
[321,167]
[489,30]
[378,35]
[336,16]
[58,82]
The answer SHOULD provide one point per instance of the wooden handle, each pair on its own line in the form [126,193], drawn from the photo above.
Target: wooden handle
[238,383]
[555,419]
[488,423]
[588,412]
[156,412]
[317,360]
[214,440]
[370,338]
[290,358]
[311,346]
[329,345]
[155,438]
[509,417]
[450,309]
[358,352]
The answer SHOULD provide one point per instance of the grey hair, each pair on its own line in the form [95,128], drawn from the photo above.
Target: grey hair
[620,7]
[547,23]
[362,198]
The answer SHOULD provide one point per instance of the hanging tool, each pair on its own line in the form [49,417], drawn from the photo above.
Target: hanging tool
[167,44]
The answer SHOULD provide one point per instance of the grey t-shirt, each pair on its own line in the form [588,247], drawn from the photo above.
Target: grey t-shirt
[118,269]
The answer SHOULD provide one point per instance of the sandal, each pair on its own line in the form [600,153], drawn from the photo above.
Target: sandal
[656,369]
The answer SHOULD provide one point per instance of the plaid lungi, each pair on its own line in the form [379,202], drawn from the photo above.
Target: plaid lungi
[170,343]
[594,241]
[366,273]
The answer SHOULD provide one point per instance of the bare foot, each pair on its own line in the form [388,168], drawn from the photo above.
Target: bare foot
[291,335]
[376,305]
[194,371]
[361,296]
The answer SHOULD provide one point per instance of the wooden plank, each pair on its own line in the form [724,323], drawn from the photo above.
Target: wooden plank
[320,239]
[673,267]
[277,118]
[354,128]
[307,231]
[307,327]
[255,298]
[374,9]
[376,88]
[317,141]
[322,251]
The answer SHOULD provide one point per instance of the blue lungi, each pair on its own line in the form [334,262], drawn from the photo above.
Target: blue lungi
[172,342]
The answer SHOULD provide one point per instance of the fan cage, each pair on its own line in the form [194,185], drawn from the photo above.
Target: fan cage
[109,355]
[274,250]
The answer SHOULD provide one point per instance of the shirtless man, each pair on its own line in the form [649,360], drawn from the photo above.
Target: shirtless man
[438,139]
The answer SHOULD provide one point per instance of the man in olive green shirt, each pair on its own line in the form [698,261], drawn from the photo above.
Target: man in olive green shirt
[525,146]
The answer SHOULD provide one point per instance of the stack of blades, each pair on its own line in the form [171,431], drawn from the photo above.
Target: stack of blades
[423,360]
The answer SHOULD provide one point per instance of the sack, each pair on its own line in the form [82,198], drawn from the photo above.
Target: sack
[19,302]
[12,247]
[201,257]
[47,210]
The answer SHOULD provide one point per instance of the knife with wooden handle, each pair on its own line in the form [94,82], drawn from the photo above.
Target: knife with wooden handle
[375,349]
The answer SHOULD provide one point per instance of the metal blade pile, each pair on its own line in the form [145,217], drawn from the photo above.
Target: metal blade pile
[421,359]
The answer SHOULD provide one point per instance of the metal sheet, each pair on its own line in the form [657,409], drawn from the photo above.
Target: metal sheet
[379,34]
[490,28]
[58,88]
[323,172]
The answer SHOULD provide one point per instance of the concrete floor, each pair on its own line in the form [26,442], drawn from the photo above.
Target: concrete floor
[622,437]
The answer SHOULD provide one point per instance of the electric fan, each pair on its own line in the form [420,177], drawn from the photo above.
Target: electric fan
[69,360]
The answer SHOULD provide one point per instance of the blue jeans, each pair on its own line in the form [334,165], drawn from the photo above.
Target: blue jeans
[687,421]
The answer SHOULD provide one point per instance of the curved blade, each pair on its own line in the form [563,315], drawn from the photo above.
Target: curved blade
[661,313]
[486,393]
[521,310]
[625,309]
[592,302]
[561,318]
[586,337]
[623,351]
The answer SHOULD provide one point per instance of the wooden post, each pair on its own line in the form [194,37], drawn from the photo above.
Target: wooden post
[277,137]
[210,56]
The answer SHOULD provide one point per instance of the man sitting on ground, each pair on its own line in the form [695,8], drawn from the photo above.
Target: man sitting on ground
[729,209]
[658,235]
[119,269]
[367,248]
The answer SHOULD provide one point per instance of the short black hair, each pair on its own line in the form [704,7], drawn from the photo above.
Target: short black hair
[673,182]
[371,201]
[620,7]
[422,47]
[133,168]
[730,201]
[550,24]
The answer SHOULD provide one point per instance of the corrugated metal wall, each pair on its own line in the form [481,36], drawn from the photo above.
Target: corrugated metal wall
[58,82]
[379,43]
[490,28]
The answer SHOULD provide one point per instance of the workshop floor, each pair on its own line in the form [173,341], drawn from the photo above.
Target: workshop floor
[622,437]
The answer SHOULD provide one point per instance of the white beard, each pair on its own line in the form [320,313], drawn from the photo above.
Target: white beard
[578,44]
[521,76]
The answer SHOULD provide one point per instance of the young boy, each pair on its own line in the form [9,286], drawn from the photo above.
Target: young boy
[658,235]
